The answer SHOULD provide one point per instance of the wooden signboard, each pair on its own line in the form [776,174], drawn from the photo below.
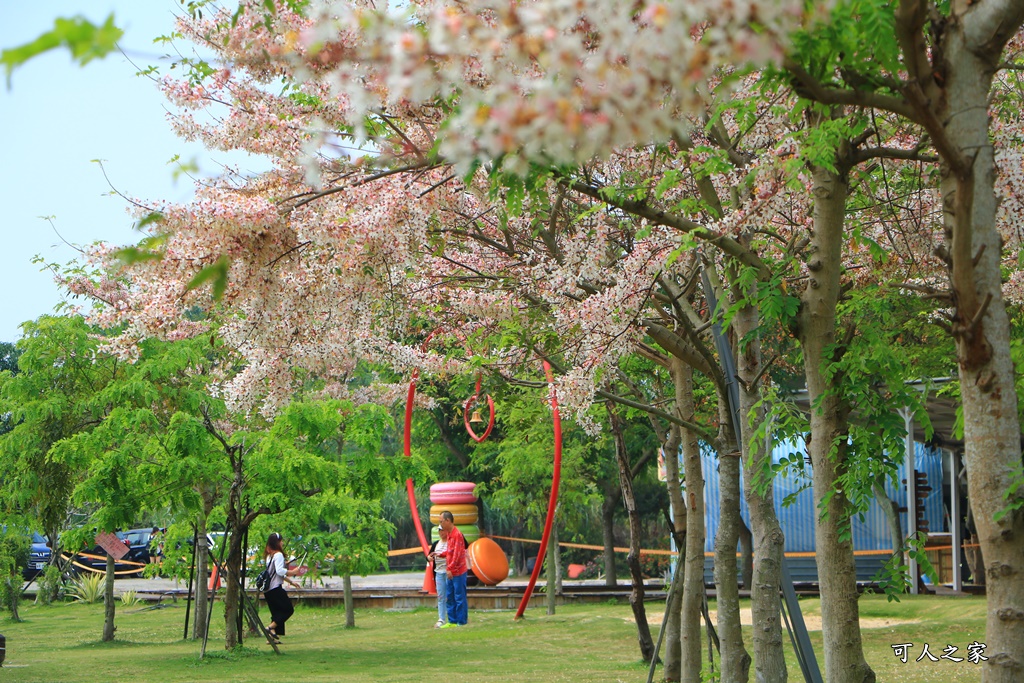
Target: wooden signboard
[114,546]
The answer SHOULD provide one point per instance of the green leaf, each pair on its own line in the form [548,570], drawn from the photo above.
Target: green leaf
[217,273]
[149,218]
[132,255]
[85,40]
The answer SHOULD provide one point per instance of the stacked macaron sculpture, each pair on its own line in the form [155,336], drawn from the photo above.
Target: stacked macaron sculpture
[486,558]
[456,497]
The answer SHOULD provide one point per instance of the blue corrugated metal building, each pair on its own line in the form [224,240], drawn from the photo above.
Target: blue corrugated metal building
[870,529]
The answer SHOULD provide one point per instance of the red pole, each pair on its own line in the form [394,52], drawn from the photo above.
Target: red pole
[552,500]
[408,453]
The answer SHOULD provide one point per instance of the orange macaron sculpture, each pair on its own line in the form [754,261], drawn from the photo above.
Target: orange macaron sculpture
[488,561]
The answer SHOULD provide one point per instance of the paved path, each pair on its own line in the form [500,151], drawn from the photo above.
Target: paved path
[393,581]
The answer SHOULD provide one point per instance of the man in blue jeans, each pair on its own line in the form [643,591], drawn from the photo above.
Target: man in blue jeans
[455,556]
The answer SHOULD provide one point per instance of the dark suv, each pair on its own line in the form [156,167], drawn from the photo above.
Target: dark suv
[138,544]
[38,557]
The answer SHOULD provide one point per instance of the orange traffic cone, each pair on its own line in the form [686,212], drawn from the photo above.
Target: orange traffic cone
[429,586]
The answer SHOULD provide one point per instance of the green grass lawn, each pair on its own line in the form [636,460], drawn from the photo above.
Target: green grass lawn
[580,643]
[916,619]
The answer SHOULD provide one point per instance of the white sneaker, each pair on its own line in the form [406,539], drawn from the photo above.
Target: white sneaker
[439,624]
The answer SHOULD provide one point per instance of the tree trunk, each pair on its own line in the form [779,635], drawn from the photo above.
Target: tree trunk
[232,570]
[693,578]
[975,560]
[551,568]
[52,588]
[13,597]
[235,530]
[108,601]
[202,592]
[201,581]
[746,553]
[972,45]
[673,652]
[636,596]
[837,575]
[891,510]
[350,604]
[608,506]
[768,539]
[735,660]
[556,552]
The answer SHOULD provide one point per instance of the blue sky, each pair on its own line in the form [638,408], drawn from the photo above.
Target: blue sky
[57,117]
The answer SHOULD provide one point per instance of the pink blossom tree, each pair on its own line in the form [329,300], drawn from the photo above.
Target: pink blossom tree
[386,207]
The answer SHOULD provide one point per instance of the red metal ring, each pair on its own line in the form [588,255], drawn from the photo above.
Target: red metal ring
[465,417]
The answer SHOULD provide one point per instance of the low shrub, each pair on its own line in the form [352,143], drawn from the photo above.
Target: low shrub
[655,566]
[130,598]
[51,585]
[87,588]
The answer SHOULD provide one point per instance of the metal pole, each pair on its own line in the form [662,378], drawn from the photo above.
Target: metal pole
[677,575]
[804,651]
[213,592]
[191,577]
[726,358]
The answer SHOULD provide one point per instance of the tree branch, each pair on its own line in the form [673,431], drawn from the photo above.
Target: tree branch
[862,155]
[911,16]
[958,163]
[362,181]
[813,89]
[700,430]
[727,244]
[677,346]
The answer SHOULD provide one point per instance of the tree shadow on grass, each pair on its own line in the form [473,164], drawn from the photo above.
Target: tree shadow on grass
[111,645]
[235,654]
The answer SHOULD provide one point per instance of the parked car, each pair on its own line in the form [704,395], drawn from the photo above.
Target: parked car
[95,558]
[138,541]
[39,556]
[39,552]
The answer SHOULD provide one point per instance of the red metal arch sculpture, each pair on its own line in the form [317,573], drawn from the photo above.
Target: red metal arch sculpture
[555,476]
[407,447]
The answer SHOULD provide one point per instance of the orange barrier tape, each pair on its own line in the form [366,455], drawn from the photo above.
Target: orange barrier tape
[857,553]
[104,557]
[588,547]
[86,567]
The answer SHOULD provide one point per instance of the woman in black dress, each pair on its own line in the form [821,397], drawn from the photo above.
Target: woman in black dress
[277,597]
